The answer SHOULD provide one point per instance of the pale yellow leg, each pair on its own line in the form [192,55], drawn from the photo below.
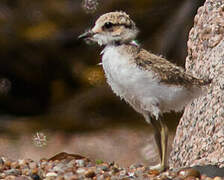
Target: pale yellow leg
[161,137]
[164,140]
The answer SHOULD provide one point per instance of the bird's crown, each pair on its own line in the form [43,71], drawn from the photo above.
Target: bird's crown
[115,18]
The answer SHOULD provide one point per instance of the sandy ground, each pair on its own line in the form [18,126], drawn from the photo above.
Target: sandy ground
[125,146]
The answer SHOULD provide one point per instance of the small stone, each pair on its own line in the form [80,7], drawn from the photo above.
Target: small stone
[7,163]
[71,163]
[80,162]
[207,178]
[131,174]
[33,165]
[217,178]
[153,172]
[188,172]
[132,166]
[90,173]
[104,168]
[190,178]
[21,161]
[171,174]
[10,177]
[25,171]
[15,172]
[80,170]
[123,173]
[1,161]
[2,175]
[73,177]
[22,178]
[115,169]
[125,178]
[62,178]
[51,174]
[15,165]
[34,171]
[68,175]
[35,177]
[59,168]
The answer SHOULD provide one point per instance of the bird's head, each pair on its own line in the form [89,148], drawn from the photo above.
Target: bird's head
[111,28]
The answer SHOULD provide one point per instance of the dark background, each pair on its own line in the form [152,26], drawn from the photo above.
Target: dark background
[49,80]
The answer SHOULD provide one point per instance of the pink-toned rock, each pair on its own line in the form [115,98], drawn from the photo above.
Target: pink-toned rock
[200,134]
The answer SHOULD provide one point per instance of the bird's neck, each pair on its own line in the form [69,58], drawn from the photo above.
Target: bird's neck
[119,43]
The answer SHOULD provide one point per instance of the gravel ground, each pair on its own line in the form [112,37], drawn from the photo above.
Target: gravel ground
[127,147]
[73,167]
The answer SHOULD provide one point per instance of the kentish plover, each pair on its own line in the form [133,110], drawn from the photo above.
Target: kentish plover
[149,83]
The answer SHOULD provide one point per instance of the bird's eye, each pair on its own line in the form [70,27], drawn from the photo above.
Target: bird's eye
[108,25]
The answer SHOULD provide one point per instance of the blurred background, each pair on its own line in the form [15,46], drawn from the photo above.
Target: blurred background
[51,85]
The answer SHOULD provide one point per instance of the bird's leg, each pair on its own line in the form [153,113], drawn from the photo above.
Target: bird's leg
[164,140]
[161,137]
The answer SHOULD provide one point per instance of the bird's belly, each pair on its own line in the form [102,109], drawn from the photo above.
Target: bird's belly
[130,83]
[124,89]
[119,78]
[143,91]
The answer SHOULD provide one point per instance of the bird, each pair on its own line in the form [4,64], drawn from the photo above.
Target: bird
[151,84]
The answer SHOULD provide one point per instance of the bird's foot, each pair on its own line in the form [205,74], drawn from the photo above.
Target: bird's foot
[158,167]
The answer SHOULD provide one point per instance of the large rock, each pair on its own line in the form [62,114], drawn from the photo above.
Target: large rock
[200,134]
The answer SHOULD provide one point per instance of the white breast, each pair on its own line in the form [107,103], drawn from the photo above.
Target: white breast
[141,89]
[120,72]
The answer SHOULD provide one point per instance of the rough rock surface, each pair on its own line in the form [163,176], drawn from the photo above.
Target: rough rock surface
[200,135]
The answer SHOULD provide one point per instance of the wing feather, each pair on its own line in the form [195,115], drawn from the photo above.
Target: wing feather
[168,72]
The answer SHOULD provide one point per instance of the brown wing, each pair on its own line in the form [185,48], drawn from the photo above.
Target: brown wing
[168,72]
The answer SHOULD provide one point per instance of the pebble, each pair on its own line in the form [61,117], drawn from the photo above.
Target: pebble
[153,172]
[50,174]
[59,168]
[35,177]
[33,165]
[10,177]
[115,169]
[190,178]
[23,178]
[217,178]
[12,172]
[104,168]
[7,163]
[15,165]
[85,169]
[208,178]
[90,173]
[123,173]
[189,172]
[1,161]
[80,162]
[80,170]
[131,174]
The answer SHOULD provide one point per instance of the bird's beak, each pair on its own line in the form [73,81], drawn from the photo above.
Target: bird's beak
[86,35]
